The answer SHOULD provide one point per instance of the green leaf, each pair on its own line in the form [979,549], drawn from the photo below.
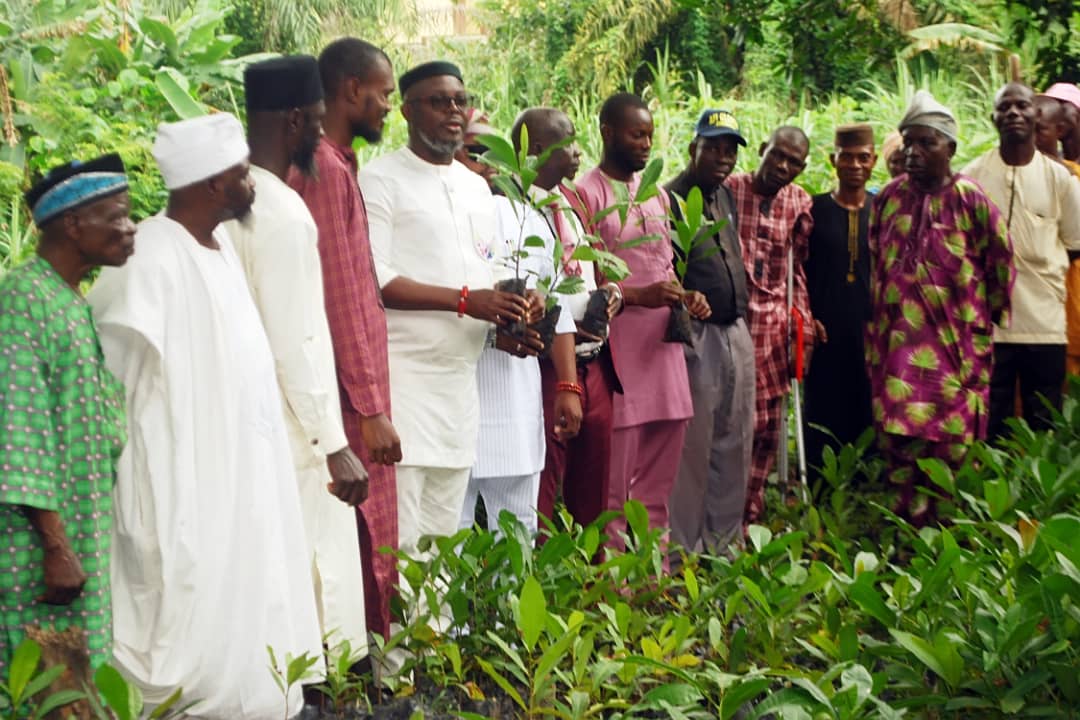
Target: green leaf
[162,710]
[43,680]
[866,596]
[677,694]
[122,697]
[162,34]
[24,662]
[501,152]
[502,682]
[300,668]
[172,85]
[637,518]
[532,612]
[998,498]
[924,652]
[733,700]
[507,187]
[760,536]
[716,632]
[647,189]
[691,582]
[534,241]
[57,700]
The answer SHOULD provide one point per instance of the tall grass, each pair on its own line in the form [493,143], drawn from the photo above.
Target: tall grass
[675,109]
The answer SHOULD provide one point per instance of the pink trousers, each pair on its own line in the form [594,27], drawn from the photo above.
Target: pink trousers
[644,464]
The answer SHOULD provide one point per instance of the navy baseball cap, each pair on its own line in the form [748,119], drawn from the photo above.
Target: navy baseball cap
[718,123]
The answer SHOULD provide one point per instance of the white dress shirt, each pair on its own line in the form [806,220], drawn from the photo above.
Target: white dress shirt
[434,224]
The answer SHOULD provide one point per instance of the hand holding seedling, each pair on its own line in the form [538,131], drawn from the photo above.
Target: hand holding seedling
[536,307]
[496,306]
[659,294]
[697,305]
[348,478]
[615,300]
[524,345]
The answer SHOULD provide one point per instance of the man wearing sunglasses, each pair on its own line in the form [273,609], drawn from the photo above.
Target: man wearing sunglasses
[432,229]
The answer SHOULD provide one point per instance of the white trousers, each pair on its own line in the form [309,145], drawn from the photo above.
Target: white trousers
[336,572]
[516,494]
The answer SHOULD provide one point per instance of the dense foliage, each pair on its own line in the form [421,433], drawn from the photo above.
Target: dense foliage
[838,609]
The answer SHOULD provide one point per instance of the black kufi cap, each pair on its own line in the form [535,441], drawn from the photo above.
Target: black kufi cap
[428,70]
[75,184]
[282,83]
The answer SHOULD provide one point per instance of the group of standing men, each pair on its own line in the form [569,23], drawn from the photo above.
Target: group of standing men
[297,337]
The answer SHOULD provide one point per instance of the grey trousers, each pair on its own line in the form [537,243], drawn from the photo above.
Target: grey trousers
[706,504]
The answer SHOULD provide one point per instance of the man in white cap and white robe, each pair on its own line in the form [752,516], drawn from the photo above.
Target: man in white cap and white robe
[210,561]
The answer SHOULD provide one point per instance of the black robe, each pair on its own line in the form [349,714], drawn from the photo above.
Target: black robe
[837,386]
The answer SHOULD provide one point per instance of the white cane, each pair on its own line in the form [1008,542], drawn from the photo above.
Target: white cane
[794,318]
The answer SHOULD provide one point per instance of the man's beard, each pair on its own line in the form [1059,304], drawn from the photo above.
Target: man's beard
[439,148]
[246,218]
[625,159]
[371,135]
[304,160]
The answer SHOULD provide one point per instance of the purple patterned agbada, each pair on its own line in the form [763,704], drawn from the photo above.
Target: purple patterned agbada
[941,276]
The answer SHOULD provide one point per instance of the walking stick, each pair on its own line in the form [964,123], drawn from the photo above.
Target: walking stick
[796,398]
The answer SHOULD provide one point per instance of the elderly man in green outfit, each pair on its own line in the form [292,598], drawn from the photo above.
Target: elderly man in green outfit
[61,414]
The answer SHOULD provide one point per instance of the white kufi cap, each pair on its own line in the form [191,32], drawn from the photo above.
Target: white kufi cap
[925,111]
[193,150]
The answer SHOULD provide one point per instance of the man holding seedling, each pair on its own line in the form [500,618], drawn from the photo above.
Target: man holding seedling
[510,446]
[941,271]
[432,225]
[707,501]
[1040,200]
[651,414]
[774,226]
[838,283]
[583,388]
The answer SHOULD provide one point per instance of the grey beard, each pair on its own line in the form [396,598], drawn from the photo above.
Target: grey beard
[439,148]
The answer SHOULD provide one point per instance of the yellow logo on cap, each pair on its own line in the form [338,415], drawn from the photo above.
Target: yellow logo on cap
[723,119]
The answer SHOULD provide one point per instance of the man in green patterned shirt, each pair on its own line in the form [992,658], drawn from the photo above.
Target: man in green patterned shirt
[61,413]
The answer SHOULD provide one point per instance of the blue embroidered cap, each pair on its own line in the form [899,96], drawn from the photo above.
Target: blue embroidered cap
[75,184]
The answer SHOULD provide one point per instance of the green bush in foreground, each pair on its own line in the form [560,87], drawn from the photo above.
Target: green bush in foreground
[847,612]
[977,618]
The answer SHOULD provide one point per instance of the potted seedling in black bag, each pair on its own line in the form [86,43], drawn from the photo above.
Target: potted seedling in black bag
[517,173]
[694,239]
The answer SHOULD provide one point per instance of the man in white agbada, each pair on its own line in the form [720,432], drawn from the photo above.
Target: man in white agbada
[210,562]
[278,248]
[511,446]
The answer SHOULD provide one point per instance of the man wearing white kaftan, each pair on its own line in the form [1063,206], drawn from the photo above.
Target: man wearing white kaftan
[210,560]
[278,249]
[511,448]
[433,224]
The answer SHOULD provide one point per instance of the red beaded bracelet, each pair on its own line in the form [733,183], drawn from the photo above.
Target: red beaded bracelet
[462,300]
[570,387]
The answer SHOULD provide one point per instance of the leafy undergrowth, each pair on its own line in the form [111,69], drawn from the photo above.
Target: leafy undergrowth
[842,610]
[838,610]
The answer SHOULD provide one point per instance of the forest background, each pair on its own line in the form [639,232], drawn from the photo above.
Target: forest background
[838,609]
[81,77]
